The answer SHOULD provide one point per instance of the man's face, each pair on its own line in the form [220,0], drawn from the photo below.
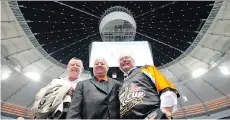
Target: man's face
[100,67]
[126,63]
[74,68]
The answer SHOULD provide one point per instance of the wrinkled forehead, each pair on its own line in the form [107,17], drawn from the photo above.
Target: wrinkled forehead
[74,61]
[125,56]
[100,60]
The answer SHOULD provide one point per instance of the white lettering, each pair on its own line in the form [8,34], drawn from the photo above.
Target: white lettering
[141,94]
[129,96]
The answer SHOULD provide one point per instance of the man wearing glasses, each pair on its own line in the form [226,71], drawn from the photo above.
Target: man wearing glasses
[145,93]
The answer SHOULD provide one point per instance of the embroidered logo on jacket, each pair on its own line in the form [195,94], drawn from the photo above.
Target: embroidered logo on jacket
[130,96]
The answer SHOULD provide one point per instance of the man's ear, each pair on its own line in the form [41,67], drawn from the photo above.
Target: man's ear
[82,69]
[133,62]
[67,67]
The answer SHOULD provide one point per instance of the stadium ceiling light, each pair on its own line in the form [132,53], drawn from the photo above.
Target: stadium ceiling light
[6,73]
[185,98]
[33,75]
[224,70]
[198,72]
[4,76]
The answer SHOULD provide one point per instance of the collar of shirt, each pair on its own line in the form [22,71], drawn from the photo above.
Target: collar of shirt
[72,81]
[104,78]
[127,73]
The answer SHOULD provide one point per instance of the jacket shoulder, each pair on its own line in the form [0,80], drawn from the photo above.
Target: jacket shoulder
[149,67]
[116,81]
[84,81]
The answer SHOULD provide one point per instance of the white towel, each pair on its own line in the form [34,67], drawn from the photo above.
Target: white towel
[67,99]
[58,112]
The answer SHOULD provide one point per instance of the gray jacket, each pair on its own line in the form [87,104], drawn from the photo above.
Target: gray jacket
[95,100]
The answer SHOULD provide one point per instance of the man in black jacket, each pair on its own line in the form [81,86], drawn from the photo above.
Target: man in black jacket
[146,93]
[96,98]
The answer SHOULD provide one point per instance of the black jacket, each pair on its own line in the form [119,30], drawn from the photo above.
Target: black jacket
[92,101]
[141,90]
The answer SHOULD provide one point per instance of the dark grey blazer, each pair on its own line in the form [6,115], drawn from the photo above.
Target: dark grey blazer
[91,101]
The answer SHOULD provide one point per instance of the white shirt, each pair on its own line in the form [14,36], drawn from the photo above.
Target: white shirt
[126,73]
[169,99]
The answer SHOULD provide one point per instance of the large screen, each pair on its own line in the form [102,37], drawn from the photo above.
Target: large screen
[139,50]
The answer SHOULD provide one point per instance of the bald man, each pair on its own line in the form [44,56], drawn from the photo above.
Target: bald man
[96,98]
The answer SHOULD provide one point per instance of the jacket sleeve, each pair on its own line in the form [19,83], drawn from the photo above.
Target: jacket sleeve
[161,82]
[75,108]
[119,84]
[169,99]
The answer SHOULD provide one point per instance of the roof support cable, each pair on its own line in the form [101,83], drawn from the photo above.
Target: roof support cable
[183,110]
[8,21]
[24,85]
[219,34]
[18,52]
[14,93]
[160,42]
[175,75]
[27,109]
[205,107]
[200,60]
[31,63]
[19,36]
[217,90]
[211,48]
[77,9]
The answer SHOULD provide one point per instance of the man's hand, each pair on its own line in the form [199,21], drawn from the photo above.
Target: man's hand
[152,118]
[71,91]
[167,111]
[163,113]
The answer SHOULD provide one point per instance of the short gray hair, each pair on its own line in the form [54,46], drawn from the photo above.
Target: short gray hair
[104,60]
[126,55]
[74,58]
